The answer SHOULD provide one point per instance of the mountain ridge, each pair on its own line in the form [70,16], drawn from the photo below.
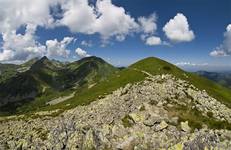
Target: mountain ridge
[54,76]
[131,108]
[74,76]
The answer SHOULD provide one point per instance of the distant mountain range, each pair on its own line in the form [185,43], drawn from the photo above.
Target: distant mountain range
[20,84]
[223,78]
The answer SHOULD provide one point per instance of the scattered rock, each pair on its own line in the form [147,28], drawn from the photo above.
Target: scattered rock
[174,120]
[161,126]
[185,127]
[151,121]
[89,141]
[128,144]
[137,116]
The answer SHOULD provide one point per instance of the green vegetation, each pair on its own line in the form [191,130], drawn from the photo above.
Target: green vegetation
[49,79]
[127,121]
[157,66]
[7,71]
[217,91]
[107,79]
[40,101]
[210,114]
[196,119]
[43,134]
[85,95]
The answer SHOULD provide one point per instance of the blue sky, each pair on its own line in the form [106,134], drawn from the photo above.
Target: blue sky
[207,19]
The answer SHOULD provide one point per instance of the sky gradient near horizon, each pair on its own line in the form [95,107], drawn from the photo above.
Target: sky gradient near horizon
[194,34]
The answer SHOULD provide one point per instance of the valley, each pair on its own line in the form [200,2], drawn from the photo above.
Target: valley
[223,78]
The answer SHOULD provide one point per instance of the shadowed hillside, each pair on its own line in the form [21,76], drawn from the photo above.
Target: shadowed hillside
[49,77]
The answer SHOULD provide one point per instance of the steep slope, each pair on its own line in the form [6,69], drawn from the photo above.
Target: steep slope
[24,86]
[27,65]
[61,76]
[7,71]
[223,78]
[47,72]
[89,70]
[157,66]
[50,77]
[5,67]
[16,91]
[137,72]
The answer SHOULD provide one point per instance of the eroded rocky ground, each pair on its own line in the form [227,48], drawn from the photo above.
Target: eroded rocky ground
[145,115]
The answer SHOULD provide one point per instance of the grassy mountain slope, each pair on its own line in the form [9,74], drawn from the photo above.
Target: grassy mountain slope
[158,66]
[109,79]
[47,72]
[62,76]
[4,67]
[85,95]
[137,72]
[89,70]
[7,71]
[16,91]
[48,79]
[134,73]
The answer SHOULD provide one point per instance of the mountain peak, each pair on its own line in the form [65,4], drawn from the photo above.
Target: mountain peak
[41,63]
[44,58]
[91,58]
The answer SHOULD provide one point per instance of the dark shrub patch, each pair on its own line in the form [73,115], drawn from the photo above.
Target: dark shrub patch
[167,68]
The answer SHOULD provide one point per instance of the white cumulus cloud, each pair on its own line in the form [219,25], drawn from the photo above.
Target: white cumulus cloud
[218,53]
[113,20]
[104,18]
[153,41]
[58,48]
[15,13]
[18,47]
[148,27]
[225,48]
[21,46]
[78,15]
[82,53]
[177,29]
[148,24]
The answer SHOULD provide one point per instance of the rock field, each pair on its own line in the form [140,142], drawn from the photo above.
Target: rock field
[139,116]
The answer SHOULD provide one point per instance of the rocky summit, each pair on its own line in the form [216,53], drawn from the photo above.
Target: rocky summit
[160,112]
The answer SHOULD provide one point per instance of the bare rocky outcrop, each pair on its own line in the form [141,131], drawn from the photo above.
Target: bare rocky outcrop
[137,116]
